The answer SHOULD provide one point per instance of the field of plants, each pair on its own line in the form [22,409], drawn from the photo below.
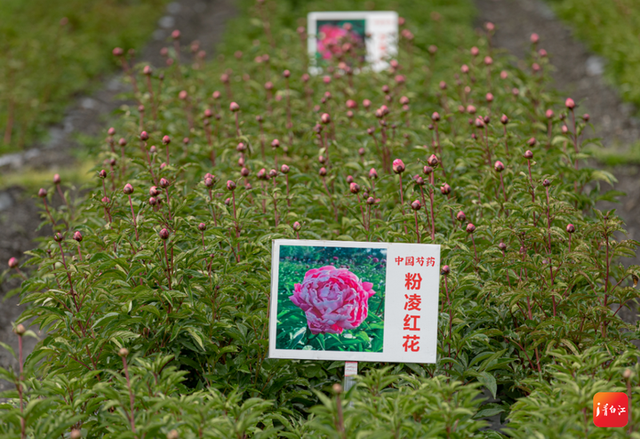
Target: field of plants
[154,286]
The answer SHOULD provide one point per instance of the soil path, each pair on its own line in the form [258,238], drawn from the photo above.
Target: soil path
[201,20]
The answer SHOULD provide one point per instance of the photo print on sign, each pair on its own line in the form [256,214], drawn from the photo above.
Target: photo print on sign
[331,298]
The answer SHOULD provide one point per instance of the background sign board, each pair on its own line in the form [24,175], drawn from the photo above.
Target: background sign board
[376,33]
[354,301]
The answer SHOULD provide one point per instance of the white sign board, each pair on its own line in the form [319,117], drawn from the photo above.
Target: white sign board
[354,301]
[345,35]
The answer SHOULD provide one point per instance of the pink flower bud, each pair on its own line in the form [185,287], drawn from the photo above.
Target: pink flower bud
[241,147]
[273,173]
[433,161]
[445,189]
[56,179]
[58,237]
[489,97]
[77,236]
[183,95]
[471,228]
[571,228]
[546,183]
[351,104]
[284,169]
[549,114]
[433,49]
[415,205]
[474,51]
[464,69]
[202,227]
[354,188]
[586,117]
[128,189]
[164,234]
[275,143]
[460,216]
[286,73]
[175,34]
[528,154]
[498,166]
[366,103]
[122,142]
[166,140]
[325,118]
[435,116]
[13,263]
[398,166]
[245,172]
[117,51]
[297,226]
[445,270]
[164,183]
[488,60]
[234,107]
[570,104]
[322,172]
[534,38]
[504,74]
[471,109]
[532,141]
[490,27]
[42,193]
[231,185]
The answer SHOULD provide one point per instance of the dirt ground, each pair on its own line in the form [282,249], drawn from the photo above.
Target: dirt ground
[578,74]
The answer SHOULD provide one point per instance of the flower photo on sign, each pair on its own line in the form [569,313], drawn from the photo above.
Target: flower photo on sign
[342,39]
[331,298]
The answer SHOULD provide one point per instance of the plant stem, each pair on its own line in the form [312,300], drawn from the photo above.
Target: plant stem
[131,397]
[133,216]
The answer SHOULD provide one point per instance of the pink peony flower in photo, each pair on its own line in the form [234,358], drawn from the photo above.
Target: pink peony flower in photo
[332,299]
[331,37]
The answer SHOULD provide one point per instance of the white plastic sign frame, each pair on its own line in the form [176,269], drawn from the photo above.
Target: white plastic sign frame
[381,27]
[410,327]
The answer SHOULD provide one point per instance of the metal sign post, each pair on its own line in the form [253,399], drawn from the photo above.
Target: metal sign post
[350,371]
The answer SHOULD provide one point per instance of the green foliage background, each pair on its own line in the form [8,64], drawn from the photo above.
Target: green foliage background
[292,331]
[43,64]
